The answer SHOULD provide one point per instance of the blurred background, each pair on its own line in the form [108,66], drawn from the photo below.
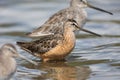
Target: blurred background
[94,58]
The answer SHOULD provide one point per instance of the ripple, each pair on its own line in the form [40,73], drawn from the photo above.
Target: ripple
[94,58]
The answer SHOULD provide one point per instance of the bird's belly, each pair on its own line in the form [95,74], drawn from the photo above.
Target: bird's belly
[59,52]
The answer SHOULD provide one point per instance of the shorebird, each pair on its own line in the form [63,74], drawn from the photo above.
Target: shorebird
[54,47]
[75,11]
[58,38]
[7,62]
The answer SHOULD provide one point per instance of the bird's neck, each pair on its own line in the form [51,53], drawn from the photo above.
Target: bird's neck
[73,2]
[8,61]
[69,36]
[80,15]
[9,65]
[76,3]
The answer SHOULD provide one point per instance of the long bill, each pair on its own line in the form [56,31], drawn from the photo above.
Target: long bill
[85,30]
[89,5]
[21,56]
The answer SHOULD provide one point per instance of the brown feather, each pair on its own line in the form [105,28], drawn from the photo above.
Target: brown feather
[40,46]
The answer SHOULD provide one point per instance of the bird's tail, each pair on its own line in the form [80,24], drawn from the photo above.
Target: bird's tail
[24,45]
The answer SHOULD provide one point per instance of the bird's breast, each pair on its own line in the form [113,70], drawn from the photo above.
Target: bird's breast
[80,16]
[63,48]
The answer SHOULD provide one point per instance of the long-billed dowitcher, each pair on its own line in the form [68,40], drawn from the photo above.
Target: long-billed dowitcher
[55,23]
[54,47]
[7,62]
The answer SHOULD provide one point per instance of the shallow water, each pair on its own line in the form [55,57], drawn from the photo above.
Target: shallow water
[94,58]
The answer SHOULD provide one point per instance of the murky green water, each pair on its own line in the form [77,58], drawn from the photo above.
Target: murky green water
[94,58]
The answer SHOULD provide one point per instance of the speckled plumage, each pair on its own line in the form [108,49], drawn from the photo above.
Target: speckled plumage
[53,47]
[56,21]
[58,38]
[42,45]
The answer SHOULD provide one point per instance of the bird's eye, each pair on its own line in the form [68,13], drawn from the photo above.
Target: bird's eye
[75,24]
[10,49]
[81,0]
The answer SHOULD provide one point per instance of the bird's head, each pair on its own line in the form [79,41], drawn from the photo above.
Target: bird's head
[9,51]
[85,4]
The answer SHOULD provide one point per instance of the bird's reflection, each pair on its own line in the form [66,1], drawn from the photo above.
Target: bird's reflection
[61,71]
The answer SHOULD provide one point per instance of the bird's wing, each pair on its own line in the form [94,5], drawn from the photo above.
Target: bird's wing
[40,46]
[53,25]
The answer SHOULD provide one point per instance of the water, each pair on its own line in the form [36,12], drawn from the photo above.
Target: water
[94,58]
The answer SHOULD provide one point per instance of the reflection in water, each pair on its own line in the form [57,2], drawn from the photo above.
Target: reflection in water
[102,55]
[61,71]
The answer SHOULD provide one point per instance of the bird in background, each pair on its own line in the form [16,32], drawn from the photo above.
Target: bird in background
[7,62]
[54,24]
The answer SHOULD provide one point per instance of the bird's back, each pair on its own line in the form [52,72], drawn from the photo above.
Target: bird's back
[40,46]
[55,22]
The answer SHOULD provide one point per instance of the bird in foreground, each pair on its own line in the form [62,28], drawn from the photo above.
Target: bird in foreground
[7,62]
[75,11]
[54,47]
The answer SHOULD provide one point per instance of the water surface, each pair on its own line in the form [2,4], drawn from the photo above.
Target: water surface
[94,58]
